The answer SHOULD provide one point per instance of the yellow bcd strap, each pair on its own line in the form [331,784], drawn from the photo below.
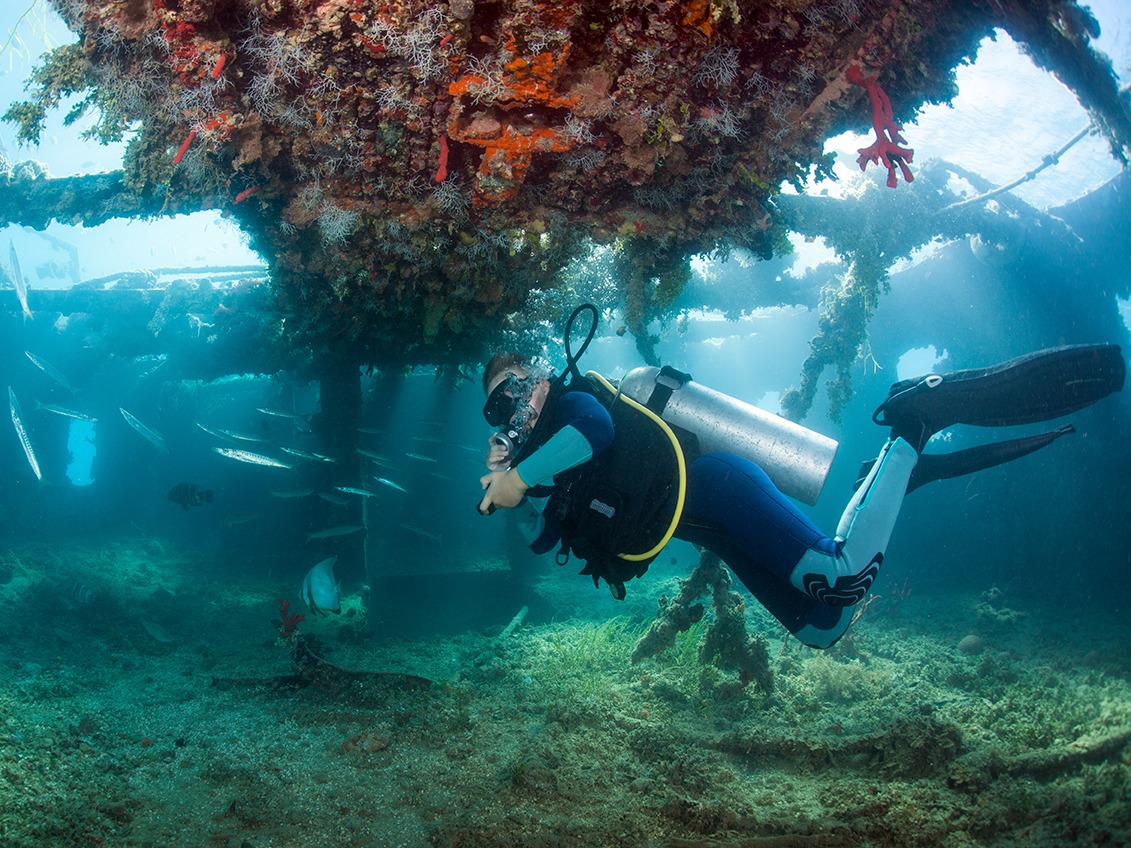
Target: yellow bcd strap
[681,466]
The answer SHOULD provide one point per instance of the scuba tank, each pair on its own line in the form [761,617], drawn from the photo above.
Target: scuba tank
[796,458]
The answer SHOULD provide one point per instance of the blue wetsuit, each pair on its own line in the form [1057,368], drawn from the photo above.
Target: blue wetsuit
[807,579]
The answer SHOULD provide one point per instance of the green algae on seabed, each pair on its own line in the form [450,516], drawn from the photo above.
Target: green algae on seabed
[549,737]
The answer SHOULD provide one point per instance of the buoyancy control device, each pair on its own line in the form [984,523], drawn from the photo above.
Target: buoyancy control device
[619,510]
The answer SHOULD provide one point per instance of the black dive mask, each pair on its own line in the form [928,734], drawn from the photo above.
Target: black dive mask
[503,402]
[508,408]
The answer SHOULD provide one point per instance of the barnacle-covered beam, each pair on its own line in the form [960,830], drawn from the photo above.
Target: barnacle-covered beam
[873,229]
[32,198]
[413,170]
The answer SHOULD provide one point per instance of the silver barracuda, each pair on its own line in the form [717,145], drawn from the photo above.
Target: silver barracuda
[280,413]
[236,436]
[239,518]
[216,434]
[308,455]
[148,433]
[331,532]
[353,490]
[422,531]
[18,281]
[384,481]
[50,370]
[379,458]
[21,431]
[300,492]
[252,458]
[67,413]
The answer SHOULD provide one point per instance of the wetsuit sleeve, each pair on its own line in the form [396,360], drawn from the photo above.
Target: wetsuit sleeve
[586,429]
[565,449]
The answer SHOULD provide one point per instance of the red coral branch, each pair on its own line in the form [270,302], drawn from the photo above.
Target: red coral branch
[886,147]
[442,171]
[184,148]
[241,197]
[290,619]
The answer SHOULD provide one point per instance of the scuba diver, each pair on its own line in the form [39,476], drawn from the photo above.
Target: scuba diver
[611,473]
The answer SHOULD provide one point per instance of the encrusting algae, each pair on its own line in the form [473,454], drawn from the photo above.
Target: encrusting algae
[413,171]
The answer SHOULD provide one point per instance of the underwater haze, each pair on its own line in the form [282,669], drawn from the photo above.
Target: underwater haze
[249,607]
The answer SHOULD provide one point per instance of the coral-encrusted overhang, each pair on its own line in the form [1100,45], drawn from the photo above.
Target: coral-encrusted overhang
[413,170]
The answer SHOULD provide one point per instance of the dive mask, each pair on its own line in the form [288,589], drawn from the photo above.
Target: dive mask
[508,408]
[503,402]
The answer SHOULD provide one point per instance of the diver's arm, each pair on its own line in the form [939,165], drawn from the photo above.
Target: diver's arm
[586,430]
[564,450]
[501,488]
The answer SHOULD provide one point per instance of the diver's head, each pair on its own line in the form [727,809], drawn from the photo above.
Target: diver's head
[516,392]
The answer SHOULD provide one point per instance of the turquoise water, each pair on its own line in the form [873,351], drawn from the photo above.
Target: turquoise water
[151,695]
[165,685]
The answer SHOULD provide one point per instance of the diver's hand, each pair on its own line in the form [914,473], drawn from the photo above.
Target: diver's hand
[496,456]
[503,488]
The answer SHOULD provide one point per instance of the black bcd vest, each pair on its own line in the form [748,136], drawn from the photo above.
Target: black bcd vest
[621,502]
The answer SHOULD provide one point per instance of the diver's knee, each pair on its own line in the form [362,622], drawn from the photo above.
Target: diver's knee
[832,580]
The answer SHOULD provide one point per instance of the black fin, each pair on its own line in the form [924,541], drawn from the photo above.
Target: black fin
[1039,386]
[943,466]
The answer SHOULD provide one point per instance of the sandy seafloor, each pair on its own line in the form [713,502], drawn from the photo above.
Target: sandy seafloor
[112,732]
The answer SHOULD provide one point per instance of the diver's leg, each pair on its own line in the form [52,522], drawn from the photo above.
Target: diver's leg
[733,509]
[844,577]
[815,624]
[808,580]
[735,496]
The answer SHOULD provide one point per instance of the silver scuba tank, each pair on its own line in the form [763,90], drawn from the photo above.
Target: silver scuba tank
[796,458]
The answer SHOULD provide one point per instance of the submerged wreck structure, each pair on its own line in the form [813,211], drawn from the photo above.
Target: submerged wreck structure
[425,178]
